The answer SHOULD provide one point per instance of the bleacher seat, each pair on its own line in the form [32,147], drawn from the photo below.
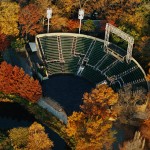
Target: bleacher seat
[82,45]
[54,67]
[92,75]
[96,54]
[50,47]
[78,49]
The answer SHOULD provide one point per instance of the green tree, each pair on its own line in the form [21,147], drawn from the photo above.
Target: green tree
[88,25]
[18,44]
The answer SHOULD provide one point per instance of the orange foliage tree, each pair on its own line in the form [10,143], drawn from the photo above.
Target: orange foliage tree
[29,17]
[72,25]
[91,129]
[145,130]
[4,43]
[13,80]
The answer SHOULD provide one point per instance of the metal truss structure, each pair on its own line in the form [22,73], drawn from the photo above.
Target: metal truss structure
[112,29]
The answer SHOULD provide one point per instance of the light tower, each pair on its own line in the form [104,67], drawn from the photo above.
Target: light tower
[80,17]
[49,15]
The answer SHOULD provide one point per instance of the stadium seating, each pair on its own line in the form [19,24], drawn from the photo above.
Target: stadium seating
[54,67]
[50,47]
[70,65]
[96,54]
[82,45]
[66,52]
[92,75]
[106,62]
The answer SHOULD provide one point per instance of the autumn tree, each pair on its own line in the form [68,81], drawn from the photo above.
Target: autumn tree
[91,128]
[18,83]
[5,143]
[145,128]
[148,79]
[42,6]
[72,25]
[137,143]
[148,75]
[4,42]
[110,10]
[68,7]
[116,10]
[33,137]
[19,137]
[58,23]
[38,139]
[9,18]
[128,101]
[137,25]
[29,17]
[99,102]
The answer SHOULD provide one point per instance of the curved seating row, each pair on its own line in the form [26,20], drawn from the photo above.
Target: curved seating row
[65,53]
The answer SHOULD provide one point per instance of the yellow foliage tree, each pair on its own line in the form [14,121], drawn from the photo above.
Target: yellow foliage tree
[117,10]
[19,137]
[91,129]
[9,18]
[99,101]
[75,123]
[38,139]
[112,10]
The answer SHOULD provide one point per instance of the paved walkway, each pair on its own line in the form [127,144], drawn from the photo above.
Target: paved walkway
[54,108]
[16,59]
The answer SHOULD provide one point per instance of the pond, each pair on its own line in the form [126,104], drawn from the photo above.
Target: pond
[13,115]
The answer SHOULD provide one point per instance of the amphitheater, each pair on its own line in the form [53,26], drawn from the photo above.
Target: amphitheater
[96,60]
[85,56]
